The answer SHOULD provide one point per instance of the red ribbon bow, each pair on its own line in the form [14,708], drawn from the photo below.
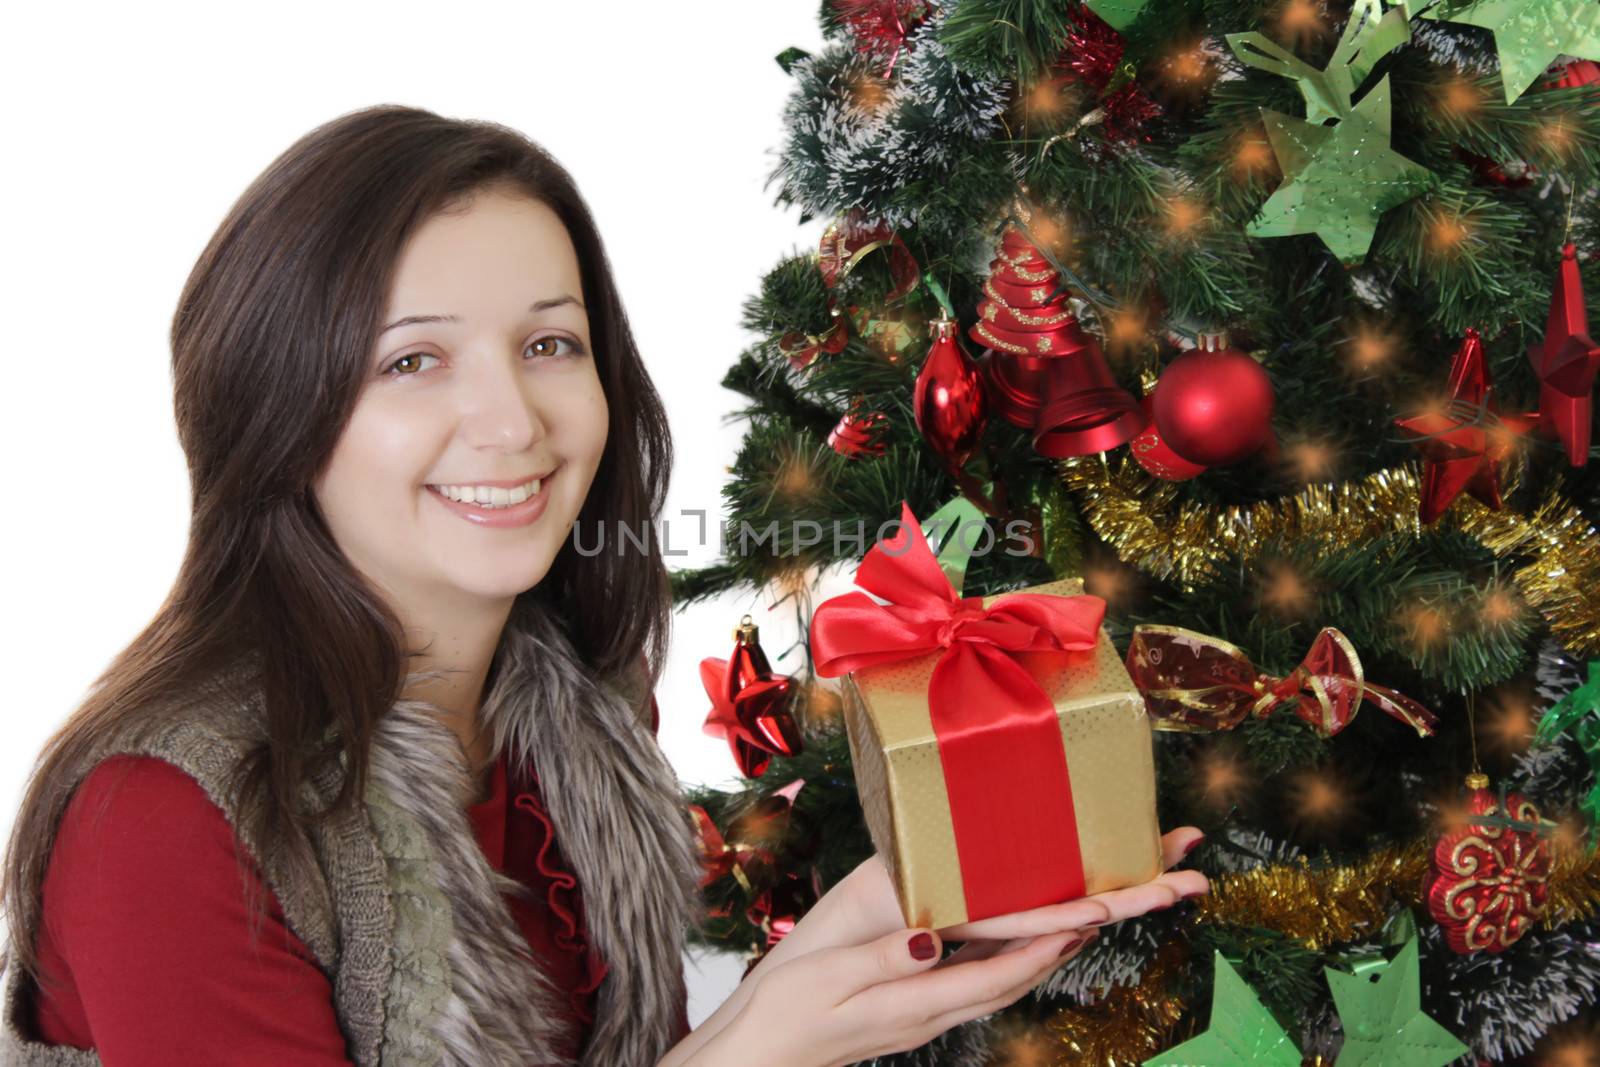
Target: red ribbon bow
[997,731]
[1192,682]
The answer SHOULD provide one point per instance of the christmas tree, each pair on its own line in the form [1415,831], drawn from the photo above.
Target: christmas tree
[1264,318]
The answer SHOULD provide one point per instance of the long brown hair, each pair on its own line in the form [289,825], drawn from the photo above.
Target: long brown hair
[270,347]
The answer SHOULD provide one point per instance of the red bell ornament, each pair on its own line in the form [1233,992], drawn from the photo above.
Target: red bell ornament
[950,402]
[1085,410]
[1213,405]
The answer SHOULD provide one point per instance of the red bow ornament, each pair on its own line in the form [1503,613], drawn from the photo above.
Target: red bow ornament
[998,733]
[1192,683]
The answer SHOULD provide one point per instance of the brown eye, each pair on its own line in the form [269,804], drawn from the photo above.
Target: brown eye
[396,368]
[549,346]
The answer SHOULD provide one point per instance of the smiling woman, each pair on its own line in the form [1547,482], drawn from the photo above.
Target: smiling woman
[402,377]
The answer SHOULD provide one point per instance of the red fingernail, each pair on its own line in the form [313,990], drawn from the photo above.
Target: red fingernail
[1077,941]
[922,946]
[1192,845]
[1192,894]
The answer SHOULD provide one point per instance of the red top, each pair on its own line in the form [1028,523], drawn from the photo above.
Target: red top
[145,930]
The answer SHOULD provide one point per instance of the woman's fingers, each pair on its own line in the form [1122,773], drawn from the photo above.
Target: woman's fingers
[1176,844]
[982,949]
[1099,909]
[938,990]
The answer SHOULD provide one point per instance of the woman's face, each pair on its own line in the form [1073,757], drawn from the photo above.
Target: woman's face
[505,392]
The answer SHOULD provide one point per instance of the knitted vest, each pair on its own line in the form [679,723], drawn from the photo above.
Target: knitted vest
[426,962]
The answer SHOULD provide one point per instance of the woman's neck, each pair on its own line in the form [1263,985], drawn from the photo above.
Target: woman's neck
[464,648]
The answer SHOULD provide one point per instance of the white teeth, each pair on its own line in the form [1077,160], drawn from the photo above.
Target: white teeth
[491,497]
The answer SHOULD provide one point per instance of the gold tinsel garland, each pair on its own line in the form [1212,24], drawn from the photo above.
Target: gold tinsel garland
[1131,1024]
[1324,906]
[1142,518]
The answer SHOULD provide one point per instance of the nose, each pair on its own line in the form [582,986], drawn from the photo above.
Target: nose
[499,406]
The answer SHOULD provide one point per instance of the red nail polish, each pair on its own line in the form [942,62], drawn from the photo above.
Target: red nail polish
[1192,845]
[1075,942]
[921,946]
[1192,894]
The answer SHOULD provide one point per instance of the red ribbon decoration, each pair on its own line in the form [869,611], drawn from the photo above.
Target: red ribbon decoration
[997,731]
[1192,683]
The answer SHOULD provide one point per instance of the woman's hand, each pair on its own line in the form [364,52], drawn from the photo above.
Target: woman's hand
[837,1006]
[857,926]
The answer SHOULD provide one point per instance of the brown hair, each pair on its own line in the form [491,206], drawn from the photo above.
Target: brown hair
[271,344]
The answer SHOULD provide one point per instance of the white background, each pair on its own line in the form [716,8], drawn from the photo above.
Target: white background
[132,128]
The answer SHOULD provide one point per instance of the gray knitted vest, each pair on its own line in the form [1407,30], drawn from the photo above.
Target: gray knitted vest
[427,964]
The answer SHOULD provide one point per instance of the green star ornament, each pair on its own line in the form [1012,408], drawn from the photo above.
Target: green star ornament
[1380,1008]
[1528,34]
[1338,180]
[1118,14]
[1242,1031]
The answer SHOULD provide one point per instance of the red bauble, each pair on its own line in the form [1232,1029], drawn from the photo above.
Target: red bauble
[1213,406]
[1487,885]
[750,704]
[949,399]
[1154,455]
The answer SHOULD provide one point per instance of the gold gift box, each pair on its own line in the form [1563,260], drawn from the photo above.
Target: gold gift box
[1110,761]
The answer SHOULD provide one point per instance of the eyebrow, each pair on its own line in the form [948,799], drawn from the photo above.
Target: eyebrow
[536,306]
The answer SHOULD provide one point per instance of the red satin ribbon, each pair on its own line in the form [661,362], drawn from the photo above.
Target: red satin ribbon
[997,731]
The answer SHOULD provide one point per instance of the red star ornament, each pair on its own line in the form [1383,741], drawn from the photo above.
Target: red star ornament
[1464,443]
[749,704]
[1566,362]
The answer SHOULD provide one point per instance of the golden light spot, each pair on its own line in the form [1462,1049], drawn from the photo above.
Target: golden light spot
[823,703]
[1026,1049]
[1447,234]
[1301,20]
[1507,723]
[1317,799]
[1555,137]
[869,92]
[1187,66]
[1043,99]
[1452,812]
[1252,156]
[794,477]
[1576,1050]
[1459,97]
[1109,582]
[1050,232]
[1425,624]
[1500,606]
[1221,779]
[1370,346]
[1568,837]
[1128,327]
[1312,461]
[1285,591]
[1184,216]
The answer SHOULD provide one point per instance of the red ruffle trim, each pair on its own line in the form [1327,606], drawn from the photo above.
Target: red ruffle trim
[564,901]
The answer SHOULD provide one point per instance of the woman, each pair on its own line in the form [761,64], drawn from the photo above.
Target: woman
[277,829]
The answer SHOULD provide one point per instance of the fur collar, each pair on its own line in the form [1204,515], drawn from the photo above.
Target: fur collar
[618,812]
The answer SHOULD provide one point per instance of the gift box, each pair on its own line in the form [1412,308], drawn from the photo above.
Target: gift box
[1019,819]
